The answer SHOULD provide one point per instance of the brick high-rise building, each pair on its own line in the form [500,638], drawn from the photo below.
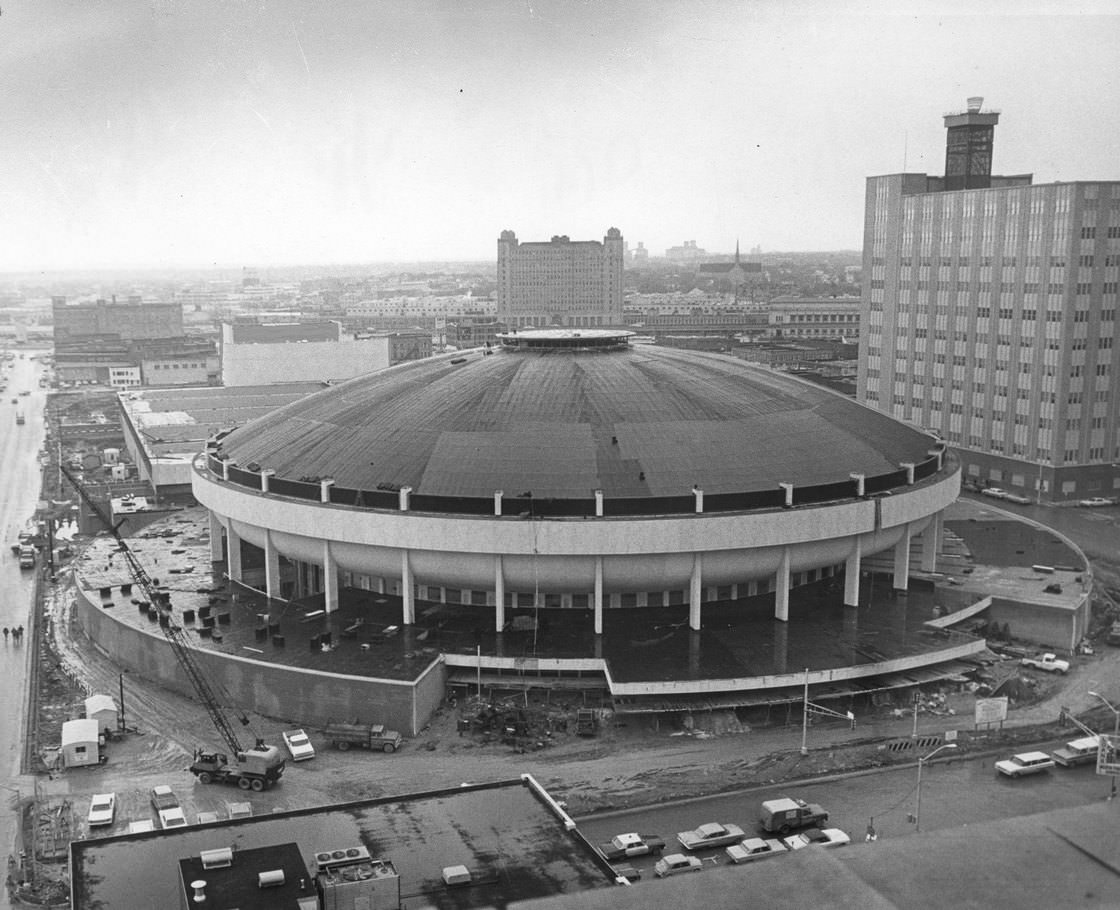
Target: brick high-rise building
[565,282]
[989,313]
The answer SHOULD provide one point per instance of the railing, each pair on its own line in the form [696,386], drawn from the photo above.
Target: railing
[526,506]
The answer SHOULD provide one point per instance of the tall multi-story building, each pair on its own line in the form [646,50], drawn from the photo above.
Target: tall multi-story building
[565,282]
[989,314]
[127,321]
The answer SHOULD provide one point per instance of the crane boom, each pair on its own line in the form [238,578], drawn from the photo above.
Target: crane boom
[161,600]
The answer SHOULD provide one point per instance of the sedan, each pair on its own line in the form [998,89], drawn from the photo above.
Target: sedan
[755,848]
[626,845]
[163,797]
[172,818]
[710,835]
[298,744]
[818,837]
[1095,502]
[676,862]
[1025,763]
[101,809]
[1019,498]
[994,492]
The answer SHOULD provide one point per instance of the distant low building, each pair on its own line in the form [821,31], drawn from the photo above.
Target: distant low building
[814,317]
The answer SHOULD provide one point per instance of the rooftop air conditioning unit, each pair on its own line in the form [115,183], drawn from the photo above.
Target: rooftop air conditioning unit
[217,859]
[348,856]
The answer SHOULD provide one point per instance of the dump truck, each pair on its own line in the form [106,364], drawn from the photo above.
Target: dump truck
[365,736]
[253,769]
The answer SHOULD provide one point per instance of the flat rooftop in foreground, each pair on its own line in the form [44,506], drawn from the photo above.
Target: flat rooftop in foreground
[513,844]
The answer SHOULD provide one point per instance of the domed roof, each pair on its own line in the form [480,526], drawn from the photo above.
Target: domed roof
[643,421]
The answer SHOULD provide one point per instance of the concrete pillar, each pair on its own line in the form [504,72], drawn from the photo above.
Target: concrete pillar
[598,503]
[781,588]
[271,567]
[330,579]
[859,479]
[851,574]
[908,467]
[695,591]
[499,594]
[233,553]
[408,594]
[699,495]
[225,469]
[325,489]
[403,497]
[498,502]
[781,648]
[266,475]
[931,537]
[902,561]
[215,537]
[788,487]
[598,595]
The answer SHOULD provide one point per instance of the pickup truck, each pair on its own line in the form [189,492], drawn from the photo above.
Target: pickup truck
[367,736]
[1077,752]
[1051,663]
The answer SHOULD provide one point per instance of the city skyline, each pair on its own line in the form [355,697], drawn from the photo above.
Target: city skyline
[286,133]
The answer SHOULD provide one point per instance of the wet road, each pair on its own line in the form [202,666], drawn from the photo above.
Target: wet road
[19,491]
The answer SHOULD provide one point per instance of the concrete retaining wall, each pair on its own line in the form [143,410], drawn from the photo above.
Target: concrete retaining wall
[291,694]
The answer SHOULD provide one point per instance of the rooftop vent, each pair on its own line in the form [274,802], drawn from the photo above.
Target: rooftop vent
[975,103]
[273,878]
[331,859]
[216,859]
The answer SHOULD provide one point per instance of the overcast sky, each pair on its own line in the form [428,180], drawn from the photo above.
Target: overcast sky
[271,132]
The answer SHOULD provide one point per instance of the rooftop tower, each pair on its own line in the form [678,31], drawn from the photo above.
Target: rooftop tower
[968,147]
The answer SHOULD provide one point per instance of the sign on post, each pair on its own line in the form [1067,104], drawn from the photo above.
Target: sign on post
[1108,754]
[991,711]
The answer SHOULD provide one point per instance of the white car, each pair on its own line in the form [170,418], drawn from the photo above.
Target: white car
[818,837]
[710,835]
[755,848]
[1095,502]
[172,818]
[101,809]
[1025,763]
[675,863]
[994,492]
[145,824]
[298,744]
[1019,498]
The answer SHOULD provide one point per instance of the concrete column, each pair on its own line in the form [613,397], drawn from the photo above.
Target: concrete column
[851,574]
[403,497]
[781,647]
[695,591]
[215,537]
[908,467]
[233,554]
[330,579]
[598,503]
[598,595]
[271,567]
[266,475]
[498,502]
[699,496]
[225,469]
[325,489]
[902,561]
[408,595]
[788,487]
[931,537]
[781,588]
[859,479]
[499,594]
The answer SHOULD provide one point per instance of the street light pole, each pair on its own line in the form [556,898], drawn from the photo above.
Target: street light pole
[1115,731]
[120,680]
[921,762]
[805,716]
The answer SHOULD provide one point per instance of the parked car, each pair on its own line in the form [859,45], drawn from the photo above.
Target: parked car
[755,848]
[1095,502]
[625,845]
[676,862]
[207,818]
[172,818]
[163,797]
[628,872]
[710,835]
[818,837]
[783,815]
[1025,763]
[1019,498]
[298,744]
[141,826]
[994,492]
[101,809]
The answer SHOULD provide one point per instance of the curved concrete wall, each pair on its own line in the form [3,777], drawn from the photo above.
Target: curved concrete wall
[557,555]
[286,693]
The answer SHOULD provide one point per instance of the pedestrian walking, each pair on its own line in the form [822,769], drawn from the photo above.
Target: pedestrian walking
[5,633]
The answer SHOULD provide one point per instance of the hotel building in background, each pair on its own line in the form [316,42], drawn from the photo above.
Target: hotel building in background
[564,282]
[989,314]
